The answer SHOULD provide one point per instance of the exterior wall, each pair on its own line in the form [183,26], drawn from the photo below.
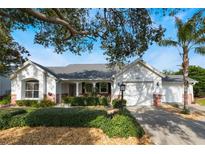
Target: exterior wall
[47,84]
[138,75]
[174,93]
[5,85]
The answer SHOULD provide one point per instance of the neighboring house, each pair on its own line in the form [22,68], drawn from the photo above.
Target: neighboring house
[5,85]
[143,83]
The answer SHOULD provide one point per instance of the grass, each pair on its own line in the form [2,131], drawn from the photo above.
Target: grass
[121,124]
[200,101]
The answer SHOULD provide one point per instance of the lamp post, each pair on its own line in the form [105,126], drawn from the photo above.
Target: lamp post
[122,89]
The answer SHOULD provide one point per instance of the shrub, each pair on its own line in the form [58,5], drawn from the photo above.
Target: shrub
[185,111]
[75,117]
[11,118]
[35,103]
[17,121]
[118,103]
[92,101]
[31,103]
[5,100]
[121,125]
[103,101]
[85,101]
[46,103]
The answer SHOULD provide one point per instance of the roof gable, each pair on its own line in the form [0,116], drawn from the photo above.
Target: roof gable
[143,63]
[28,63]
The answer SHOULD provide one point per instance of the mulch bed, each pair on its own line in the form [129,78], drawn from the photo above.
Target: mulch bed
[63,136]
[195,115]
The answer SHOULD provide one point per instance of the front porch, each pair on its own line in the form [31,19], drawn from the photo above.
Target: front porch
[84,88]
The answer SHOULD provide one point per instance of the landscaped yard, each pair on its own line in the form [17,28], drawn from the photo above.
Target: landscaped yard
[200,101]
[68,126]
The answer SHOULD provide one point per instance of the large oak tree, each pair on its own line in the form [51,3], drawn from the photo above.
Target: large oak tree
[122,33]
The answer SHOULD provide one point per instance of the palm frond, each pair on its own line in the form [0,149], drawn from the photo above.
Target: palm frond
[168,42]
[200,40]
[178,23]
[200,50]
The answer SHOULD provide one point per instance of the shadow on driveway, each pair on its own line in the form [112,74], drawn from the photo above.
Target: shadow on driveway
[168,128]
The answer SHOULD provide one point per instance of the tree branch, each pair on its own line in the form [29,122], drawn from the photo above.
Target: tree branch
[55,20]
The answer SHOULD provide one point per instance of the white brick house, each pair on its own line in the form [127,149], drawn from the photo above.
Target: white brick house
[34,81]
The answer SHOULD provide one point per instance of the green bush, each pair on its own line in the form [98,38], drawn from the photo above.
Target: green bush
[120,125]
[46,103]
[103,101]
[85,101]
[185,111]
[118,103]
[17,121]
[11,118]
[35,103]
[5,100]
[75,117]
[30,103]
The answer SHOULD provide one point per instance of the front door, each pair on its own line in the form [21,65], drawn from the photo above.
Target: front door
[72,89]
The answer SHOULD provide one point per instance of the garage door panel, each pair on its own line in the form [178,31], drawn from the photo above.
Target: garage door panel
[138,93]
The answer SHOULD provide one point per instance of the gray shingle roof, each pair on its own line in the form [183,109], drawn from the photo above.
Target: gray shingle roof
[176,78]
[83,71]
[96,72]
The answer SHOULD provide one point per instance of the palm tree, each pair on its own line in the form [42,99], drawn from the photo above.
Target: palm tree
[190,37]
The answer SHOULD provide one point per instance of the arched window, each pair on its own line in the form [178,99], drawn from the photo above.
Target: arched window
[32,89]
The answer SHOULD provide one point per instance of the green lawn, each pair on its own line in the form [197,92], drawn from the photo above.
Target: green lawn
[121,124]
[200,101]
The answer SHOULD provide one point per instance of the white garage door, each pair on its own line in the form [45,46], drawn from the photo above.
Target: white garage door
[139,93]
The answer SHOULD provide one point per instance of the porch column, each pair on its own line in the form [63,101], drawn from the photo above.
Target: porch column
[94,85]
[77,88]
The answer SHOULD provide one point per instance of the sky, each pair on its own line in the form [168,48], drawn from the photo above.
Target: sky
[162,58]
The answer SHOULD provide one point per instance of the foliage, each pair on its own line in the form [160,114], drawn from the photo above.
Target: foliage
[118,103]
[46,103]
[11,118]
[35,103]
[121,125]
[31,103]
[104,101]
[76,117]
[122,33]
[85,101]
[197,73]
[5,100]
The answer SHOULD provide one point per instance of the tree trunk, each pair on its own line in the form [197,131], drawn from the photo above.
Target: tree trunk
[185,66]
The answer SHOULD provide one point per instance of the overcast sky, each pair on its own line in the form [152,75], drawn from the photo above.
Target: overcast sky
[160,57]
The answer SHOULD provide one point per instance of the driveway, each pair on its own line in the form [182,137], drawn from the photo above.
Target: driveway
[167,128]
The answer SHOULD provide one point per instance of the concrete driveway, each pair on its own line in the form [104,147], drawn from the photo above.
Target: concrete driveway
[167,128]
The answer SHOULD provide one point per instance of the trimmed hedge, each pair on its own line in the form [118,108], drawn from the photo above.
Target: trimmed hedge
[118,103]
[12,118]
[121,124]
[86,101]
[35,103]
[75,117]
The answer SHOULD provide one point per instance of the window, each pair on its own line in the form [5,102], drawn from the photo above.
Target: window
[88,87]
[103,87]
[32,89]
